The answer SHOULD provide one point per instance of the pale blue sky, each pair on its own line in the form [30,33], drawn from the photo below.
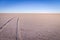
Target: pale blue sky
[29,6]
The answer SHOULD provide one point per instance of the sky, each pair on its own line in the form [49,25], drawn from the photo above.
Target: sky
[29,6]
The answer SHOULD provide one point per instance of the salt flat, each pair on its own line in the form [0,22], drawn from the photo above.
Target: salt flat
[30,27]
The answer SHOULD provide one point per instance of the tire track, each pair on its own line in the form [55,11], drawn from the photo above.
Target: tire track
[6,23]
[17,29]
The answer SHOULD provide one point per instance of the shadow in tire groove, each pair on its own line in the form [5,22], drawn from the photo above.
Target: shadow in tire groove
[6,23]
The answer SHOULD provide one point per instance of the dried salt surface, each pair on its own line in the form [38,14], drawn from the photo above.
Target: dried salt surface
[30,27]
[8,31]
